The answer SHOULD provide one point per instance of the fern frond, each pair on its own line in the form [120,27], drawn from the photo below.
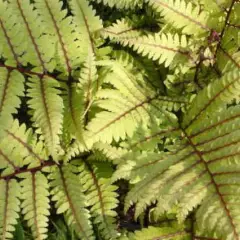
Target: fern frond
[26,143]
[213,97]
[205,168]
[62,30]
[73,111]
[127,106]
[110,153]
[86,20]
[11,48]
[48,108]
[122,4]
[9,207]
[101,197]
[121,30]
[36,52]
[67,194]
[35,205]
[20,148]
[89,80]
[160,233]
[166,48]
[11,88]
[183,15]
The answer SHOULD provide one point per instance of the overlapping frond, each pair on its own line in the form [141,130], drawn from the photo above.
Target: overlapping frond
[48,108]
[35,204]
[70,200]
[101,197]
[205,166]
[128,106]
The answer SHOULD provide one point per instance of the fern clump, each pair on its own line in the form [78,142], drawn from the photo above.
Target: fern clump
[119,119]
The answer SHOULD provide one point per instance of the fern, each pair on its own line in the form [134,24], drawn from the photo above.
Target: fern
[47,106]
[101,196]
[35,205]
[119,119]
[70,200]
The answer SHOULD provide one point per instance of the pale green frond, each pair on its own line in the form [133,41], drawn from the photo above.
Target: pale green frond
[121,30]
[87,22]
[9,207]
[183,15]
[101,197]
[67,193]
[11,89]
[11,37]
[35,204]
[48,108]
[166,48]
[39,48]
[61,30]
[131,104]
[73,100]
[88,81]
[213,97]
[203,171]
[110,152]
[19,148]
